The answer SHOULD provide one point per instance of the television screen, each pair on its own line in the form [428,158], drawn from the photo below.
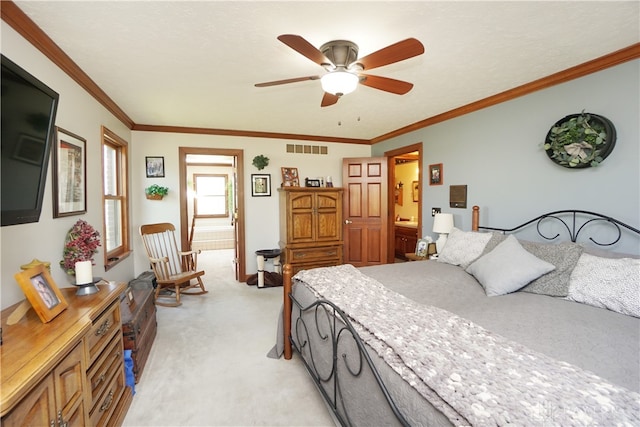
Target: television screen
[27,114]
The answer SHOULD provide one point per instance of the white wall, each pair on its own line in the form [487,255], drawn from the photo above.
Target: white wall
[81,114]
[497,152]
[262,213]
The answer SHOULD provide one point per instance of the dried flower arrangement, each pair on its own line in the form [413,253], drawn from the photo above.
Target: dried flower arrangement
[81,243]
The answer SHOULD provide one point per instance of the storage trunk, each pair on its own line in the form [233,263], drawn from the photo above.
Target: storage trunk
[139,326]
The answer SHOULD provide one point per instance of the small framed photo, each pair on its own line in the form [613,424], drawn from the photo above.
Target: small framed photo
[155,167]
[415,191]
[69,174]
[261,185]
[290,177]
[435,174]
[421,248]
[41,291]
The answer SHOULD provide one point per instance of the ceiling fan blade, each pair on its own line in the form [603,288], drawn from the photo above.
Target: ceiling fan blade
[304,48]
[329,99]
[386,84]
[400,51]
[285,81]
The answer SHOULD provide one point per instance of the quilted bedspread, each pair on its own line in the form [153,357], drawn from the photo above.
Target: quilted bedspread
[470,374]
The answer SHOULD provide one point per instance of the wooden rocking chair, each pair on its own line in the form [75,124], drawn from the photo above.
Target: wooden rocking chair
[174,269]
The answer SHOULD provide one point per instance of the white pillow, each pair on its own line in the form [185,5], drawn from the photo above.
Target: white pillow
[607,283]
[463,247]
[507,268]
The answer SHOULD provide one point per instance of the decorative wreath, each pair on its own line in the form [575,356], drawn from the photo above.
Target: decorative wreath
[580,140]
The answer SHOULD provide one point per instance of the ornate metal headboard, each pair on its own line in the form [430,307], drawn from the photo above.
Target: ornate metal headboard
[574,221]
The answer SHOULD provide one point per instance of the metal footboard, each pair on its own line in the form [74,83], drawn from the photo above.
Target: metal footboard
[323,326]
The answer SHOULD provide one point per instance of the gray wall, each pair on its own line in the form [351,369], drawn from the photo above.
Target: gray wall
[497,152]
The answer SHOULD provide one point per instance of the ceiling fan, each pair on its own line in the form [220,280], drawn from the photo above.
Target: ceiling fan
[345,71]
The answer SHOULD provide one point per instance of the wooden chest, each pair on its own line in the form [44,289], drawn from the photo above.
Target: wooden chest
[139,326]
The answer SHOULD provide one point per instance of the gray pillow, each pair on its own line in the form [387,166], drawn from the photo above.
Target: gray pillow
[564,256]
[507,268]
[463,247]
[607,283]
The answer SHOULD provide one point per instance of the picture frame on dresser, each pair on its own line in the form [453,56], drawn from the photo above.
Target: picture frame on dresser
[41,292]
[290,177]
[421,248]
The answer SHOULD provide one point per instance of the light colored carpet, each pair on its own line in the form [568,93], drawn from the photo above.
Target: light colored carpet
[209,367]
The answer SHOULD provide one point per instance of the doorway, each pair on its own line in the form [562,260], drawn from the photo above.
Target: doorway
[410,194]
[212,203]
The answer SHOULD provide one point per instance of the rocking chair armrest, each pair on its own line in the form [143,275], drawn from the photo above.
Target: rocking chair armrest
[188,253]
[158,260]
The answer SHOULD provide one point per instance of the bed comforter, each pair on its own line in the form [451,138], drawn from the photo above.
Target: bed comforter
[519,358]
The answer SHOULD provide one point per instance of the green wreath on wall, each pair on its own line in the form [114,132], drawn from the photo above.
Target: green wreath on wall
[580,140]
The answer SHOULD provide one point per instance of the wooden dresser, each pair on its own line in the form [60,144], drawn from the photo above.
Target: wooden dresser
[70,371]
[139,326]
[311,226]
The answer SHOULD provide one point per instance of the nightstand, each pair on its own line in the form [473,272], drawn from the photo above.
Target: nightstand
[413,257]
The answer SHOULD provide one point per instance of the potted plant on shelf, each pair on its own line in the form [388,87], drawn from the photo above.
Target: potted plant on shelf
[156,192]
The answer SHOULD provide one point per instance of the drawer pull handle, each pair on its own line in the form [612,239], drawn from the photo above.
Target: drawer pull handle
[104,328]
[107,402]
[61,421]
[100,379]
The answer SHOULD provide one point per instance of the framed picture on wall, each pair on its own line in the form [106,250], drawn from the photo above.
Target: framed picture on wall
[155,167]
[69,174]
[261,185]
[435,174]
[415,191]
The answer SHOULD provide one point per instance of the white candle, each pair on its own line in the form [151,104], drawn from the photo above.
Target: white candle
[84,273]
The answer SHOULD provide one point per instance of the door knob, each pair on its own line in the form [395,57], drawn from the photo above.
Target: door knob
[348,221]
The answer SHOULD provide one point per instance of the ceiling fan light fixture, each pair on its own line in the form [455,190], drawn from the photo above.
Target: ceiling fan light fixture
[339,82]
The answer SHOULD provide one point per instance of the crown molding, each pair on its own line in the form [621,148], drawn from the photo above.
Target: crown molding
[21,23]
[610,60]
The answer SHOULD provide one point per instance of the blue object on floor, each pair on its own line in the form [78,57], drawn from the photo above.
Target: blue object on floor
[130,379]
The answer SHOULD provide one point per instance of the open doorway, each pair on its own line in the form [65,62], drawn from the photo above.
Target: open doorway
[212,205]
[405,200]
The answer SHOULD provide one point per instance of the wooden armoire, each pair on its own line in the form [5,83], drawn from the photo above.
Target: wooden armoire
[311,226]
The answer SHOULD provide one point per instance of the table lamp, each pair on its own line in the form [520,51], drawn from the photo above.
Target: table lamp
[442,224]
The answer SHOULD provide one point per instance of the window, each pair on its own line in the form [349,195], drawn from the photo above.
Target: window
[211,196]
[115,236]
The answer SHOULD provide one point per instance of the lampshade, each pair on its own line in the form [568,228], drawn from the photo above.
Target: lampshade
[339,82]
[443,223]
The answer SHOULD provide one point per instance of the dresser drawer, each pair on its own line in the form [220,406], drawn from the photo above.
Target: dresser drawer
[104,328]
[109,362]
[100,415]
[326,253]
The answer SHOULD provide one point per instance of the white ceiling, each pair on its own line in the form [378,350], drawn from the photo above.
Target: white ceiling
[195,64]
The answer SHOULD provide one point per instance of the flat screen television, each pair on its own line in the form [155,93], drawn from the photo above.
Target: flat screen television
[28,114]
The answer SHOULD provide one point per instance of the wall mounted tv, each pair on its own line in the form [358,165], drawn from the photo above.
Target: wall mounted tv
[28,114]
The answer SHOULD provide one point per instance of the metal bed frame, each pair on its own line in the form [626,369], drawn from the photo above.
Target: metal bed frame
[333,327]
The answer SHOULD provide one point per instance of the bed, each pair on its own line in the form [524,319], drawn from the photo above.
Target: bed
[498,330]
